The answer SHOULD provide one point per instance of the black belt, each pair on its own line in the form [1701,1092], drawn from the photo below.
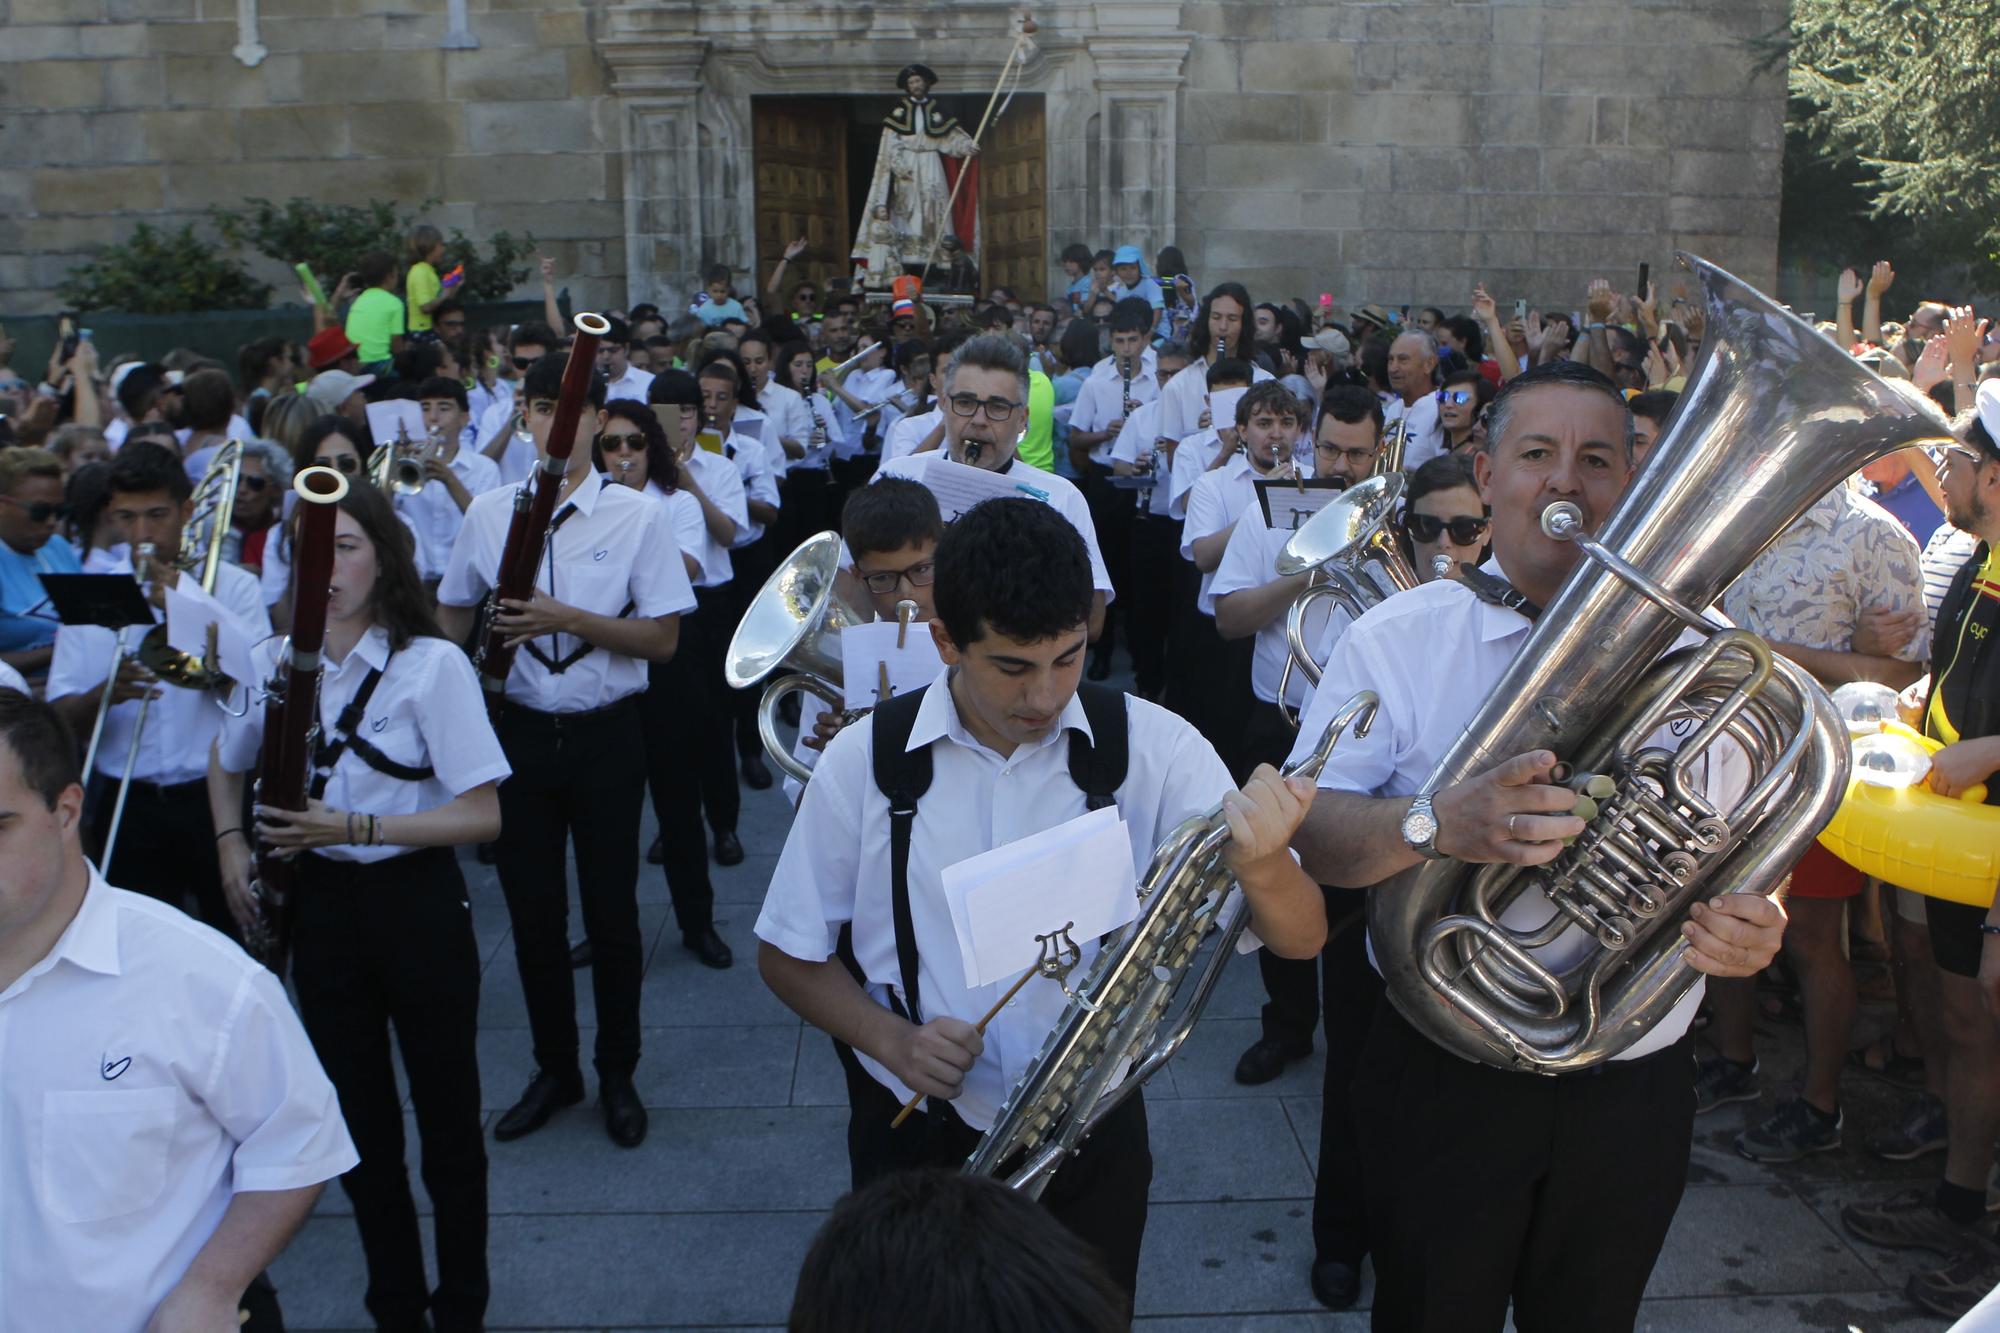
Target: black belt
[161,791]
[517,715]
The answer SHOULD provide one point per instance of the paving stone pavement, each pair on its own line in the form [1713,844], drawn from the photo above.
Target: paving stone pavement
[704,1226]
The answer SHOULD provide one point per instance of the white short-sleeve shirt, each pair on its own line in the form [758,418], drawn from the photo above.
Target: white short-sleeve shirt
[690,527]
[152,1072]
[760,483]
[427,710]
[615,551]
[1100,400]
[722,482]
[835,866]
[1192,457]
[632,384]
[1186,398]
[1217,499]
[435,517]
[902,439]
[180,723]
[1066,498]
[1250,561]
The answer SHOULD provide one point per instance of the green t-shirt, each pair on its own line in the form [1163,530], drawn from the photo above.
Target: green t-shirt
[1038,446]
[375,317]
[421,288]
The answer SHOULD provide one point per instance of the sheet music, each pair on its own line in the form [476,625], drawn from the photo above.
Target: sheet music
[1078,875]
[1286,507]
[866,649]
[385,418]
[958,487]
[190,612]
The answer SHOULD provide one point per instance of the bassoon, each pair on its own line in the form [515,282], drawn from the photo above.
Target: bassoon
[534,506]
[291,704]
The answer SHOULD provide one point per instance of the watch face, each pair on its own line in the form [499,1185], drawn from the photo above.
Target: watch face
[1419,827]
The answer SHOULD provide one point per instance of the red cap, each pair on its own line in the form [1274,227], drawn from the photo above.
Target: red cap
[326,348]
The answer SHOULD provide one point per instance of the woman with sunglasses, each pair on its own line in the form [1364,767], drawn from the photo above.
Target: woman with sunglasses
[1464,396]
[330,441]
[631,448]
[407,769]
[1443,515]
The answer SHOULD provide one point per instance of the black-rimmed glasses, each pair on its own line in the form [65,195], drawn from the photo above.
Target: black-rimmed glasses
[883,581]
[996,409]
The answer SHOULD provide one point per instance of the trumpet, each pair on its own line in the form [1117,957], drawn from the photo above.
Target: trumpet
[399,469]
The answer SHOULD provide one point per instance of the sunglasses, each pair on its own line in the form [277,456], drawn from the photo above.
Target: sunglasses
[1429,527]
[38,511]
[1456,397]
[622,440]
[347,463]
[249,483]
[523,362]
[884,581]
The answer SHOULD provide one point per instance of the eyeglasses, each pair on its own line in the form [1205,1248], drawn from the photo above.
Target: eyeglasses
[38,511]
[523,362]
[347,463]
[1356,459]
[1429,527]
[884,581]
[1972,457]
[250,483]
[968,404]
[1455,397]
[622,440]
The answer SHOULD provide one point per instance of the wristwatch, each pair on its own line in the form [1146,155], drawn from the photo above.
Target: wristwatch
[1420,829]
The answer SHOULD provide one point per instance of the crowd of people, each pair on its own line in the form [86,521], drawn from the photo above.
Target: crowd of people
[1146,415]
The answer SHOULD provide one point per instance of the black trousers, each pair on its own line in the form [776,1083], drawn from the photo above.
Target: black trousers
[1111,517]
[1194,649]
[1149,598]
[1350,990]
[389,945]
[753,564]
[850,475]
[165,848]
[806,506]
[1099,1194]
[704,642]
[1484,1185]
[1291,985]
[675,709]
[580,777]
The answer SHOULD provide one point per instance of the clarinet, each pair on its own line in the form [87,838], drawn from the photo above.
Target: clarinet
[534,506]
[291,708]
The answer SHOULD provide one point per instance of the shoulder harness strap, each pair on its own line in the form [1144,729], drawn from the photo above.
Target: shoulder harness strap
[903,776]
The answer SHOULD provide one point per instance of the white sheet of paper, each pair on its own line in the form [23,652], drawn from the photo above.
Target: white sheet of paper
[385,417]
[1222,407]
[1077,875]
[1291,505]
[959,487]
[190,612]
[865,649]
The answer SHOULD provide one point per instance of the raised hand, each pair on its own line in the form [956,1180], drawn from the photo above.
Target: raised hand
[1933,365]
[1482,305]
[1962,336]
[548,267]
[795,249]
[1881,278]
[1600,301]
[1850,287]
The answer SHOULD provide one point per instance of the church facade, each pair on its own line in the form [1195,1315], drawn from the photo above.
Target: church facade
[1394,152]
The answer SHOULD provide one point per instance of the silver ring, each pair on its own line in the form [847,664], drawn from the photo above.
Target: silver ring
[1510,827]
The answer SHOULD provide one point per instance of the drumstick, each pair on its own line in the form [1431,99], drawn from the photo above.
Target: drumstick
[979,1027]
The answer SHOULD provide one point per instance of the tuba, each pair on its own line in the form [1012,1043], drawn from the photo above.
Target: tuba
[1351,550]
[1776,417]
[1115,1034]
[794,623]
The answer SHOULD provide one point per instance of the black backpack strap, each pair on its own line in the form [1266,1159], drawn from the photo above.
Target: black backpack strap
[1496,591]
[902,775]
[1097,766]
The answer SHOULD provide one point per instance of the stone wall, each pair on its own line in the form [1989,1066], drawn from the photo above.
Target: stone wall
[1391,151]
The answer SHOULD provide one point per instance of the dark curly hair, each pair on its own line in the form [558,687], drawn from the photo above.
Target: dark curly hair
[1016,567]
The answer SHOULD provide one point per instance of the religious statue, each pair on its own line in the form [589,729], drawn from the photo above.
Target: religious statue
[910,206]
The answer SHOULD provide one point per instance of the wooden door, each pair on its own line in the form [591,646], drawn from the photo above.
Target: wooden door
[801,162]
[1013,167]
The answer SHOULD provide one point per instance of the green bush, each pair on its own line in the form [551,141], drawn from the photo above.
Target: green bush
[162,273]
[331,237]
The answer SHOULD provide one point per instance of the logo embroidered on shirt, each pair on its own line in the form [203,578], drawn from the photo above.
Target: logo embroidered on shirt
[379,723]
[601,553]
[109,1069]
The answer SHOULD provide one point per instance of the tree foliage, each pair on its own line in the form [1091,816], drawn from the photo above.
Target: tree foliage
[1908,91]
[331,237]
[162,273]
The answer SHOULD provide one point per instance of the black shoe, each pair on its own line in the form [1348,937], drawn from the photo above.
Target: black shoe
[656,855]
[486,853]
[1336,1285]
[545,1095]
[728,849]
[624,1117]
[579,953]
[755,775]
[1267,1058]
[706,945]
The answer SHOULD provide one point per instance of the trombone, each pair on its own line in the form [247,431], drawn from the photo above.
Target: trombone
[200,554]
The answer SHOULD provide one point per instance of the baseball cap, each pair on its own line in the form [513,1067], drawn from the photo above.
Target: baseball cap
[327,347]
[1127,254]
[330,388]
[1330,340]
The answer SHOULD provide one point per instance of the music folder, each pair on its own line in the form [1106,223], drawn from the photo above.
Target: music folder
[110,600]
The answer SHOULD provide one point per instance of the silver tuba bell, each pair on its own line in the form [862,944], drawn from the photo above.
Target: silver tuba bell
[1350,549]
[794,623]
[1776,416]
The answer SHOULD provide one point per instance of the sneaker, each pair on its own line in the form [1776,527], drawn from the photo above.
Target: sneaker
[1720,1081]
[1951,1291]
[1919,1131]
[1796,1129]
[1910,1220]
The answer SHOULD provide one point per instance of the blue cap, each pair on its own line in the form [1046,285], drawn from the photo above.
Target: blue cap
[1127,254]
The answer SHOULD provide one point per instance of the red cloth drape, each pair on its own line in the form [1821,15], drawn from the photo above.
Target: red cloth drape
[965,211]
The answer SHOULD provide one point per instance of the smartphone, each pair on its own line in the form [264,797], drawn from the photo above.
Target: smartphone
[1521,309]
[66,331]
[1645,277]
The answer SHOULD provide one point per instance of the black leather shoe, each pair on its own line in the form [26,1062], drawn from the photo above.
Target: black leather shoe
[656,855]
[755,774]
[624,1117]
[1336,1285]
[728,849]
[706,945]
[1266,1059]
[579,953]
[545,1095]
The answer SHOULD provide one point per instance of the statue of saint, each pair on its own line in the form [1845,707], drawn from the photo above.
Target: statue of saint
[923,152]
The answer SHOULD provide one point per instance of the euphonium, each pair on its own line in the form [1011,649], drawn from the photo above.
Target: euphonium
[1775,417]
[1115,1034]
[1395,440]
[1351,551]
[794,622]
